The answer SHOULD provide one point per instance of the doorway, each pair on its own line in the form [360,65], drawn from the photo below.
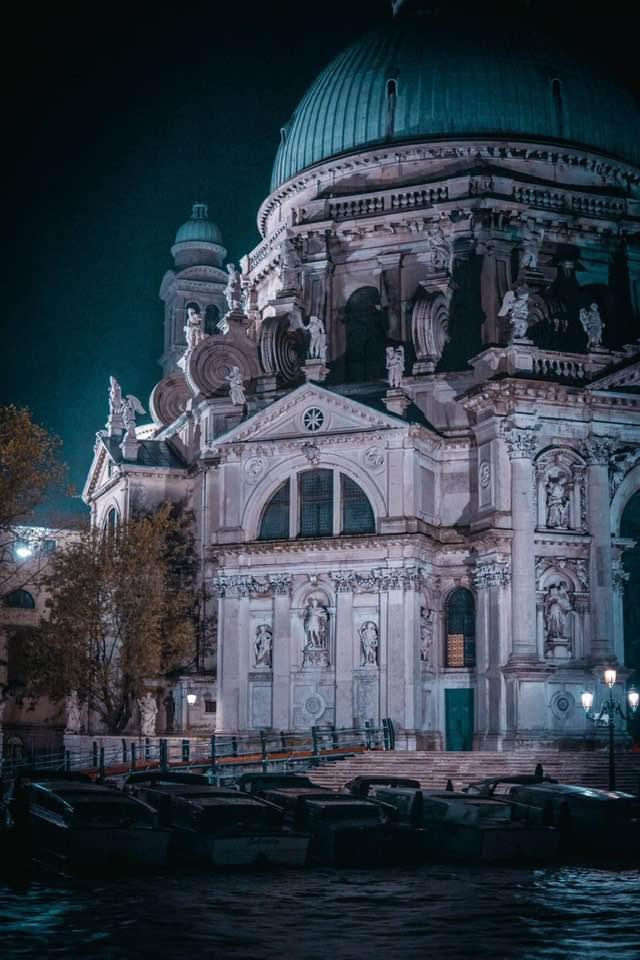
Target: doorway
[458,712]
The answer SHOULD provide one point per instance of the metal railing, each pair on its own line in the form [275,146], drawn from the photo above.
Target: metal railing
[221,754]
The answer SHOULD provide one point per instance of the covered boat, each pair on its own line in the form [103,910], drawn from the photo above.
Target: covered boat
[88,826]
[458,826]
[220,826]
[590,822]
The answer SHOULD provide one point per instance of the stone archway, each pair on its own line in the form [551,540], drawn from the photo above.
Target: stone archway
[630,529]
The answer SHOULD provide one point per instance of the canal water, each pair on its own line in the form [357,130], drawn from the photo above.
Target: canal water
[430,912]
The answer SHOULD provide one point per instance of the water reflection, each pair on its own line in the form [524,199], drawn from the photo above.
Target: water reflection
[445,912]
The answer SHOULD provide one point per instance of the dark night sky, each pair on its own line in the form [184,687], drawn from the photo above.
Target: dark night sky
[115,121]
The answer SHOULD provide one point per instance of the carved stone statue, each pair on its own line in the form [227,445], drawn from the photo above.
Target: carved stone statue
[592,325]
[515,306]
[316,628]
[557,502]
[440,247]
[236,387]
[317,339]
[426,634]
[193,329]
[557,609]
[130,406]
[115,397]
[148,712]
[233,289]
[531,243]
[114,423]
[395,366]
[73,713]
[289,265]
[262,646]
[369,644]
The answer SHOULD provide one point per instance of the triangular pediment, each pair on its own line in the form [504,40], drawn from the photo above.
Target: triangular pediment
[624,378]
[311,411]
[98,471]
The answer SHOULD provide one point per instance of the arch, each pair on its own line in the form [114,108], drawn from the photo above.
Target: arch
[19,600]
[460,629]
[274,522]
[630,529]
[629,486]
[111,522]
[356,511]
[290,468]
[211,318]
[365,336]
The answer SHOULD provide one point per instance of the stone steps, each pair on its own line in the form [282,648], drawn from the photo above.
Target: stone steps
[433,769]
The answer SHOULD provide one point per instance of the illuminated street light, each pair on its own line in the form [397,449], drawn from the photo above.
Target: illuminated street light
[23,551]
[606,717]
[191,699]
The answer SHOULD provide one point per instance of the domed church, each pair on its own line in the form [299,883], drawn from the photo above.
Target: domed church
[408,421]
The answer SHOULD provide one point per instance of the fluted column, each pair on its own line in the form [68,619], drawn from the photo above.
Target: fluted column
[491,578]
[521,445]
[598,452]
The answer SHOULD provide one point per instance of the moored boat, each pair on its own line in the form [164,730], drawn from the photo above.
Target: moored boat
[459,826]
[218,825]
[590,822]
[87,826]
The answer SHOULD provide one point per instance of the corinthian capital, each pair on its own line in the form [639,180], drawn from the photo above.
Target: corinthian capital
[491,572]
[599,450]
[520,443]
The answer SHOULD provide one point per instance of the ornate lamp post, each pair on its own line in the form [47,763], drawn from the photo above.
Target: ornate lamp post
[606,717]
[191,699]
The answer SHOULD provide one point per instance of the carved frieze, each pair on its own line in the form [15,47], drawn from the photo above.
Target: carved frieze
[378,580]
[240,585]
[491,572]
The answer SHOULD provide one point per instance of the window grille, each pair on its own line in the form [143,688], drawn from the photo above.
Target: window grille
[357,515]
[461,629]
[275,519]
[316,503]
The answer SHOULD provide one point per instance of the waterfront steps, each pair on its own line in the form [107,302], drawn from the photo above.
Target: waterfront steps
[434,768]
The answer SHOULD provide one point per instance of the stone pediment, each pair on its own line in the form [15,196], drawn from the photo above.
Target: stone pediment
[621,379]
[311,411]
[98,473]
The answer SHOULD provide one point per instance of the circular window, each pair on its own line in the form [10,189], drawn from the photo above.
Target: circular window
[313,419]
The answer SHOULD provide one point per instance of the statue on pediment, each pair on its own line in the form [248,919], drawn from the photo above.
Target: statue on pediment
[592,325]
[317,339]
[395,366]
[236,387]
[233,289]
[515,307]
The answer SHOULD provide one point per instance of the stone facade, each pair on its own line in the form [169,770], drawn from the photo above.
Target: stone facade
[496,465]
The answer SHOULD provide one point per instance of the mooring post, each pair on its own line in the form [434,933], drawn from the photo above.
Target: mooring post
[147,748]
[213,753]
[94,748]
[185,751]
[101,764]
[314,737]
[67,761]
[132,765]
[163,753]
[124,750]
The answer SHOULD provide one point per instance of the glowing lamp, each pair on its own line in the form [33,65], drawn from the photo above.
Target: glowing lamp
[587,700]
[191,699]
[23,551]
[610,677]
[634,699]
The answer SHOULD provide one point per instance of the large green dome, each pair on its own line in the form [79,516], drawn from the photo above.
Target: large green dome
[453,82]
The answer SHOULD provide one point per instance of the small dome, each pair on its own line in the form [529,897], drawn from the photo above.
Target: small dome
[416,80]
[198,228]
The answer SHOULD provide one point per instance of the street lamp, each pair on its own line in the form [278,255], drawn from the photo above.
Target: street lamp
[606,717]
[191,699]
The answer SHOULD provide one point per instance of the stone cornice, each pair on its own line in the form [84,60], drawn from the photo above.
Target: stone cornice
[477,150]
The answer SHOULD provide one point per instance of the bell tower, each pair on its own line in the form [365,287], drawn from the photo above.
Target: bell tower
[197,281]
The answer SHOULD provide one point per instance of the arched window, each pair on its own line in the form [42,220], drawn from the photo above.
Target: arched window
[275,519]
[211,317]
[366,336]
[315,492]
[110,524]
[20,600]
[357,515]
[460,637]
[630,529]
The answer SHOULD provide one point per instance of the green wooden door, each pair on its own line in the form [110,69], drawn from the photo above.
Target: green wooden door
[458,711]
